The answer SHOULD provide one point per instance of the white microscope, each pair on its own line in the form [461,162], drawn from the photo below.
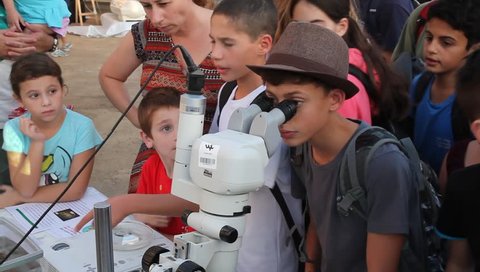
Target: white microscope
[217,171]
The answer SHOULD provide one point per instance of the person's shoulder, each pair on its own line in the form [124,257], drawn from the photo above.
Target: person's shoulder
[78,120]
[78,116]
[13,123]
[153,160]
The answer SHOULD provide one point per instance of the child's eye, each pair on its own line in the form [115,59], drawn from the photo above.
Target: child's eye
[447,43]
[52,91]
[166,128]
[33,95]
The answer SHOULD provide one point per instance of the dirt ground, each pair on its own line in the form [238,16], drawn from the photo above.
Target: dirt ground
[80,71]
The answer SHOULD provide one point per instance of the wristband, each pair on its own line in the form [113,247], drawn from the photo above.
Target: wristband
[54,45]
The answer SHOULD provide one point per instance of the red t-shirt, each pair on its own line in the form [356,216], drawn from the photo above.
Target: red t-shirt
[154,180]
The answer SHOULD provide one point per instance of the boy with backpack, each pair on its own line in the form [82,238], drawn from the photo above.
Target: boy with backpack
[242,33]
[451,31]
[339,240]
[459,222]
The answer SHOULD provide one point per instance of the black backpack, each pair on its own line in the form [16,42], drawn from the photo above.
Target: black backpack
[408,64]
[425,253]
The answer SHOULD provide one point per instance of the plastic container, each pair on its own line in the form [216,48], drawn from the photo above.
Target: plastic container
[25,257]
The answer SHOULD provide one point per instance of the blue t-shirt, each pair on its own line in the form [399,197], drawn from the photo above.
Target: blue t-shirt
[433,132]
[76,135]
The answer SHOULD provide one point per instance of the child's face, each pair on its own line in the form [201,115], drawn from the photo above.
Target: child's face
[233,49]
[43,98]
[314,109]
[307,12]
[164,133]
[444,48]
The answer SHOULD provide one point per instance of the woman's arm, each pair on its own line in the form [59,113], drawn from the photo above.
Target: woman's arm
[115,71]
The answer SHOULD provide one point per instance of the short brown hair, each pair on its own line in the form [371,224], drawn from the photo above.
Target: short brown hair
[33,66]
[155,99]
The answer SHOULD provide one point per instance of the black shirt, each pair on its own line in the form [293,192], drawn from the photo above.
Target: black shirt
[460,213]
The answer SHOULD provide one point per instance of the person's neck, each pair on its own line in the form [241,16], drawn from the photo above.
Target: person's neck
[443,86]
[169,168]
[327,143]
[198,19]
[247,84]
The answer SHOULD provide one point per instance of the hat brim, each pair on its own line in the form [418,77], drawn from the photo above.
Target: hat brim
[336,82]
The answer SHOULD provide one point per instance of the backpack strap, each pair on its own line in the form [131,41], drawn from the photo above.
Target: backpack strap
[421,87]
[366,82]
[422,19]
[354,166]
[298,239]
[223,97]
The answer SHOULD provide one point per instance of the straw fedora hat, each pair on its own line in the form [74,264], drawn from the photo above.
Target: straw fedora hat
[312,50]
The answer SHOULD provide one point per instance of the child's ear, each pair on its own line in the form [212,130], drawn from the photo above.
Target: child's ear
[265,42]
[474,48]
[475,128]
[342,27]
[147,140]
[337,97]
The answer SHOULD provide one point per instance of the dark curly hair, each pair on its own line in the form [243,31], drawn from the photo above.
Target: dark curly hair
[33,66]
[461,15]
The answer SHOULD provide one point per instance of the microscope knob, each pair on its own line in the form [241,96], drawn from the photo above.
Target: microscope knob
[189,266]
[228,234]
[151,256]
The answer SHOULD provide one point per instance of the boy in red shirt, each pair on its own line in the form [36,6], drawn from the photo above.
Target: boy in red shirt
[158,115]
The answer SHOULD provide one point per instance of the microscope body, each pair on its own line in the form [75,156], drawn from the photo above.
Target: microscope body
[217,171]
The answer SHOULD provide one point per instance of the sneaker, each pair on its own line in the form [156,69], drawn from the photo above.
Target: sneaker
[67,47]
[58,53]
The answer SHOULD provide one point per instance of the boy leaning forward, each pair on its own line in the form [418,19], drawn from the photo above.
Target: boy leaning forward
[309,65]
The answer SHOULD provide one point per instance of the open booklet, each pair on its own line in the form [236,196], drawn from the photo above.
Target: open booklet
[61,219]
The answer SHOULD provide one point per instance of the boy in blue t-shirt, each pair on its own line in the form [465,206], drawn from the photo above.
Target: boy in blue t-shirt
[452,30]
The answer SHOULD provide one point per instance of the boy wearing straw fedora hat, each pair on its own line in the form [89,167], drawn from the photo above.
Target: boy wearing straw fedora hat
[309,64]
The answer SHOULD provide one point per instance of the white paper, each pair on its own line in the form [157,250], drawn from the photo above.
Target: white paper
[29,213]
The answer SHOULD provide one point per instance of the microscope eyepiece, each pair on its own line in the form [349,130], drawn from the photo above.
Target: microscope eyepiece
[288,108]
[264,102]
